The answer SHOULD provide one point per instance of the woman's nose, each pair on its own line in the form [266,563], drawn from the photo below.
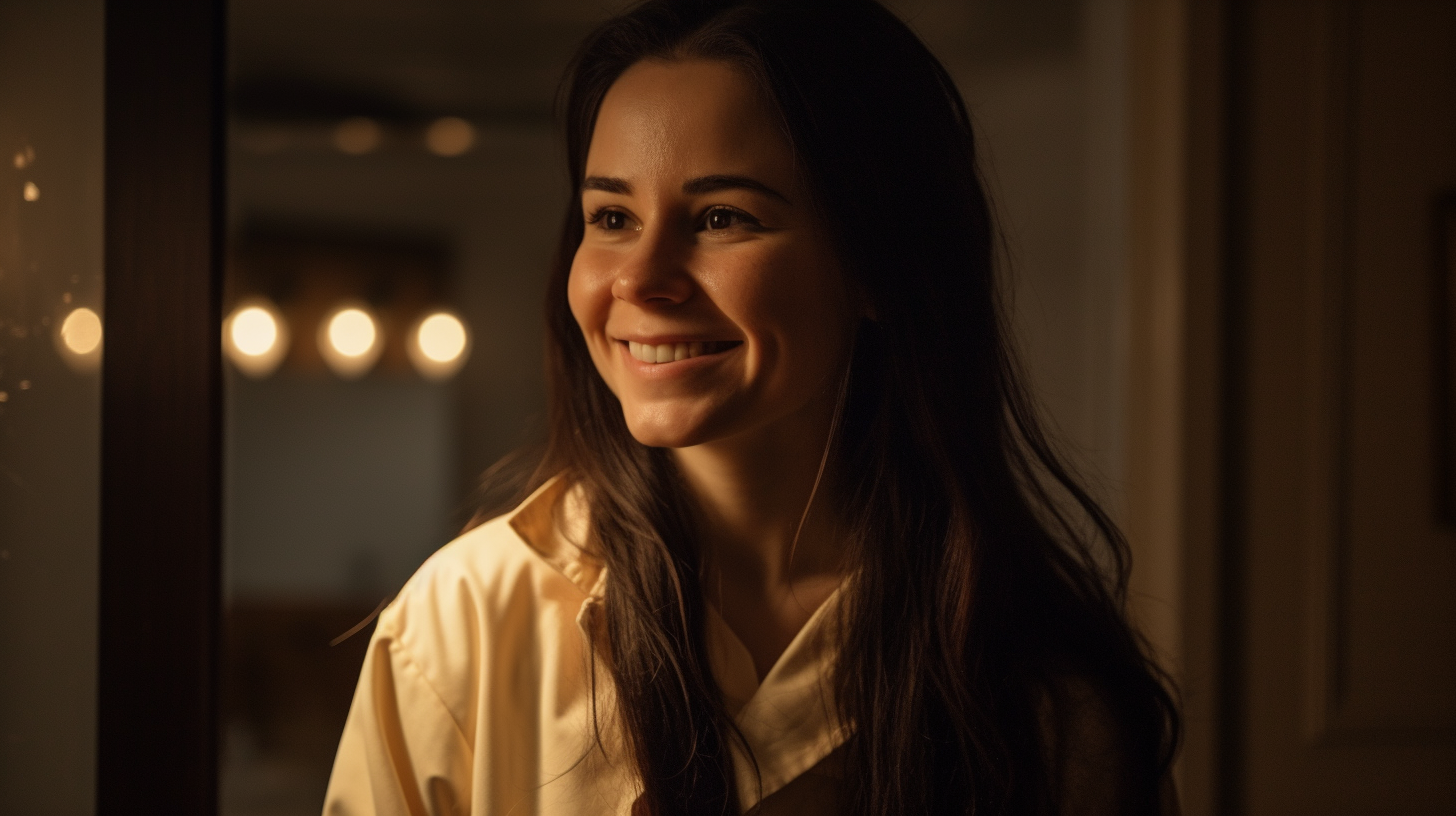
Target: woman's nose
[654,271]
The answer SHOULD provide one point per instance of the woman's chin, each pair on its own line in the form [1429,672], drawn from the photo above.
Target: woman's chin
[657,431]
[657,437]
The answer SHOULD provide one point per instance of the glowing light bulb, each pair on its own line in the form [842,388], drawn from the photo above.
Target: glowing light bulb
[441,337]
[352,332]
[81,331]
[78,338]
[255,338]
[349,341]
[439,345]
[449,136]
[254,331]
[358,135]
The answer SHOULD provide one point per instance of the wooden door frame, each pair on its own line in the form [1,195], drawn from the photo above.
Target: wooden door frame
[160,577]
[1183,297]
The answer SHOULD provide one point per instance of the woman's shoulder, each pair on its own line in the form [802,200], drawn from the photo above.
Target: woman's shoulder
[505,572]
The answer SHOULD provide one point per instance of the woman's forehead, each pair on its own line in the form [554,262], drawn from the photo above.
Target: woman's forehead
[688,118]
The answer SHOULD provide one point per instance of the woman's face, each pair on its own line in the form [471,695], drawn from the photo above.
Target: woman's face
[708,294]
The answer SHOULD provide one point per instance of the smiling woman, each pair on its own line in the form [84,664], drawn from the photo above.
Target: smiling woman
[692,247]
[796,543]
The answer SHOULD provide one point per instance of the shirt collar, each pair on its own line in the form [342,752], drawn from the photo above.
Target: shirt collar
[553,522]
[789,720]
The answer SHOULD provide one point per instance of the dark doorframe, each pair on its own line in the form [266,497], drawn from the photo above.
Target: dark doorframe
[161,409]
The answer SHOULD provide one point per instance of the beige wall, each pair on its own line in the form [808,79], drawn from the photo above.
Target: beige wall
[50,263]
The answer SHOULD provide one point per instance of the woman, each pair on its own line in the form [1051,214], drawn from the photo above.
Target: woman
[796,543]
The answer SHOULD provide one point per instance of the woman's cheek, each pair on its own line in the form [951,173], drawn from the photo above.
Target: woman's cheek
[582,296]
[585,299]
[574,287]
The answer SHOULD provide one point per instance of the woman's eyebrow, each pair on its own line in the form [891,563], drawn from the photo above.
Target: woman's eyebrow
[712,184]
[606,184]
[697,186]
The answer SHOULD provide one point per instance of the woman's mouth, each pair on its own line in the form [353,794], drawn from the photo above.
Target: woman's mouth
[672,352]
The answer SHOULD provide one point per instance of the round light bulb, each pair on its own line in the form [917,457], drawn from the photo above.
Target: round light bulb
[358,135]
[450,136]
[255,337]
[439,345]
[441,337]
[352,332]
[254,332]
[349,341]
[81,331]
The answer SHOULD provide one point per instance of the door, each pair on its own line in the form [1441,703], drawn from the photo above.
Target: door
[1344,157]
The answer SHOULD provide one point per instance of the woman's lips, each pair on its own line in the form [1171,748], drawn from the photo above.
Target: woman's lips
[672,352]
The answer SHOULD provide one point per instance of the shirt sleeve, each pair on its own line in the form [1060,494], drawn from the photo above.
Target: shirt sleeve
[402,753]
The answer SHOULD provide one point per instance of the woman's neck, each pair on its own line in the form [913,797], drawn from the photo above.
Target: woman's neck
[771,555]
[753,491]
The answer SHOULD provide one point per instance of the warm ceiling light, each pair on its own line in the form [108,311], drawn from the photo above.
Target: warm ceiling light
[255,338]
[79,340]
[358,135]
[352,332]
[81,331]
[449,136]
[439,345]
[254,331]
[349,341]
[441,337]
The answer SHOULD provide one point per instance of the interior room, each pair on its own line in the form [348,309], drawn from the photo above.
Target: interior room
[315,237]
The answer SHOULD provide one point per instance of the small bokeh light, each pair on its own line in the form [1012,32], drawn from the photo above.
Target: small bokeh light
[255,338]
[80,339]
[439,345]
[450,136]
[349,341]
[358,135]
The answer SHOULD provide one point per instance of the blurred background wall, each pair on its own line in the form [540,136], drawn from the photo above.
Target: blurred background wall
[51,80]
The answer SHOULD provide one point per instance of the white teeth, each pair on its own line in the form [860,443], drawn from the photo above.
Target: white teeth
[670,352]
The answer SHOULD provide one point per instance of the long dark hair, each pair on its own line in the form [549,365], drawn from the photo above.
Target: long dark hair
[985,616]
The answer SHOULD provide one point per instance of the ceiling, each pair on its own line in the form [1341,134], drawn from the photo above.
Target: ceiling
[502,59]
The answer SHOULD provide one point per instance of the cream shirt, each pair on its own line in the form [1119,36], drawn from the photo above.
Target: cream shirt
[476,693]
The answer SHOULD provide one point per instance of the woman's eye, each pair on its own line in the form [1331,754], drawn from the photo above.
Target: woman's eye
[611,220]
[721,218]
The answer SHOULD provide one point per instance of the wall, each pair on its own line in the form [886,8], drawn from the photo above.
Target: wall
[50,263]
